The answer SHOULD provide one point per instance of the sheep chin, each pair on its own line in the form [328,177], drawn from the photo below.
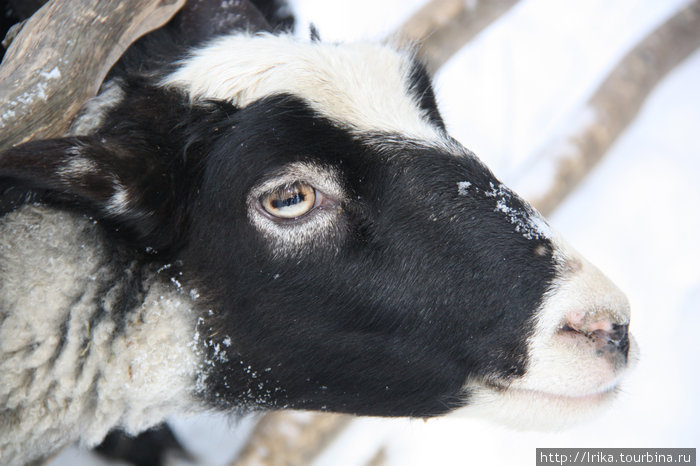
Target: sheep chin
[524,409]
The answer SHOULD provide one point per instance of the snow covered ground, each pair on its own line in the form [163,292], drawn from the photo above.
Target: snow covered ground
[637,216]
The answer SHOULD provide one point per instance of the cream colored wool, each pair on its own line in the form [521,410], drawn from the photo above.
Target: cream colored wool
[70,369]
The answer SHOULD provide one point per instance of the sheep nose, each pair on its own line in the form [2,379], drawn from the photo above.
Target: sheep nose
[619,338]
[608,338]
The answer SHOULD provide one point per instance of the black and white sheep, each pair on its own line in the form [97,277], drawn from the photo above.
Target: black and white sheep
[273,223]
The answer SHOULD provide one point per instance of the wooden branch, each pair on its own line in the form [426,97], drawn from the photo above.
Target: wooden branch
[379,458]
[37,101]
[291,438]
[442,27]
[613,107]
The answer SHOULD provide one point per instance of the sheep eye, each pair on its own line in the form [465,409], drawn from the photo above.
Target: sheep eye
[289,201]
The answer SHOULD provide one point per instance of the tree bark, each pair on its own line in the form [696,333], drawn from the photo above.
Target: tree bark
[613,106]
[42,85]
[442,27]
[289,438]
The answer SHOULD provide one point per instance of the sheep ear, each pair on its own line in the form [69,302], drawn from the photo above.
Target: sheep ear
[130,191]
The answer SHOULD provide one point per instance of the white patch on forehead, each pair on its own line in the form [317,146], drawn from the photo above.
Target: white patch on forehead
[362,86]
[528,222]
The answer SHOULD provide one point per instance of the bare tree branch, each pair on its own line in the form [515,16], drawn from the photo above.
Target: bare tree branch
[42,85]
[291,438]
[379,458]
[442,27]
[614,105]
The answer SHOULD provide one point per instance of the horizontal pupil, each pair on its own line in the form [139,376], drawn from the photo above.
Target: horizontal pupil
[295,199]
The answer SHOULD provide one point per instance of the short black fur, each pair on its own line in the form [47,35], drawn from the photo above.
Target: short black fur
[416,297]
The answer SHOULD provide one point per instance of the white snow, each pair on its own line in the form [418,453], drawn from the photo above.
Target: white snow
[528,223]
[463,188]
[29,97]
[536,174]
[515,85]
[505,95]
[347,20]
[55,73]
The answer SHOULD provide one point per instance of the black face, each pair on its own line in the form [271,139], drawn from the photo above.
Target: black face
[417,285]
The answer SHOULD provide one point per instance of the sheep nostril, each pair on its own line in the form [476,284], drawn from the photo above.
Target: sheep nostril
[619,338]
[605,336]
[618,334]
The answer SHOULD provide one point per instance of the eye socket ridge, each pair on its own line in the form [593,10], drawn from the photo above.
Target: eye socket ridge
[291,201]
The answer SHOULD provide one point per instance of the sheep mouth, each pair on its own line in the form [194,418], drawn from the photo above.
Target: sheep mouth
[587,399]
[524,408]
[593,396]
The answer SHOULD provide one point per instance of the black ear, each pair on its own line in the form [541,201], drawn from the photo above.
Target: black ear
[134,193]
